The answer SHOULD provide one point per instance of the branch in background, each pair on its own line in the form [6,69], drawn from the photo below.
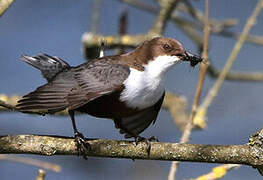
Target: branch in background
[258,40]
[54,145]
[191,28]
[41,175]
[95,17]
[218,172]
[214,90]
[33,162]
[91,40]
[123,23]
[203,68]
[7,106]
[177,107]
[4,5]
[183,24]
[164,14]
[236,76]
[177,19]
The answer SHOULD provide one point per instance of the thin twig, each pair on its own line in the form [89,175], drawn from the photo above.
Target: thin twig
[7,106]
[236,76]
[95,17]
[218,172]
[191,28]
[41,175]
[258,40]
[167,7]
[214,90]
[189,126]
[33,162]
[177,107]
[4,5]
[123,23]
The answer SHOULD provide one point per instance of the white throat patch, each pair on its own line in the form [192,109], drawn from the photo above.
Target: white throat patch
[144,88]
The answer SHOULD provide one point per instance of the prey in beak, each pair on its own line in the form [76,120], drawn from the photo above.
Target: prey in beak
[194,59]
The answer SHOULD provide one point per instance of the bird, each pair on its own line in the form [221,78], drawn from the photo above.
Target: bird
[127,88]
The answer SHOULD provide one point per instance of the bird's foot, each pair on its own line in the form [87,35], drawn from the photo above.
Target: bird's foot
[147,141]
[81,144]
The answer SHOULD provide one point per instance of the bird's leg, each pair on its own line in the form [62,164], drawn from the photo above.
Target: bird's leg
[136,137]
[81,144]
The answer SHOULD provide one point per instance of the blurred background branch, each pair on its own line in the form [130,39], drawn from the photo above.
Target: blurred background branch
[4,5]
[217,172]
[41,174]
[249,24]
[203,68]
[236,76]
[30,161]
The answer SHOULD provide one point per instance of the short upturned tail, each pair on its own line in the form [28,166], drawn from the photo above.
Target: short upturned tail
[48,65]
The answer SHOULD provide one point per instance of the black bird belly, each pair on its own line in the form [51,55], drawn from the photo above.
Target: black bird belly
[108,106]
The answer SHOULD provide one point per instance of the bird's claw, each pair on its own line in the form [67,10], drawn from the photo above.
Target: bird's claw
[153,139]
[81,145]
[147,141]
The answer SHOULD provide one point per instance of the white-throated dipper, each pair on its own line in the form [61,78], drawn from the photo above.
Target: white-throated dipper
[127,88]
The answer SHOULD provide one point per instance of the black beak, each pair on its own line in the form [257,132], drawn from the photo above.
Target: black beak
[194,60]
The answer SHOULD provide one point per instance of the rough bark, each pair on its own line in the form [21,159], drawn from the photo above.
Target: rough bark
[55,145]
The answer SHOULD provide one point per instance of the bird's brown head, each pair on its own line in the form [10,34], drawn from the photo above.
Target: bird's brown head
[162,46]
[167,49]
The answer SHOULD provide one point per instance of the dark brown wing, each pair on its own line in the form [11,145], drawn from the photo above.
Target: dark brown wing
[134,125]
[97,79]
[75,87]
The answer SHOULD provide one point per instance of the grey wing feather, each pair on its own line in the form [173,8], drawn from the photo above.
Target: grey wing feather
[96,79]
[134,125]
[49,98]
[74,87]
[48,65]
[105,76]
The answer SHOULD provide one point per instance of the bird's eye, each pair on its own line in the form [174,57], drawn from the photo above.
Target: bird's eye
[167,47]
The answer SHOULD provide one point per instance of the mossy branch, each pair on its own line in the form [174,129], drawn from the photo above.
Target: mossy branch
[55,145]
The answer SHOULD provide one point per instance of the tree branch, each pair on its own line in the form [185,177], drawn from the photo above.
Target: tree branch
[32,162]
[55,145]
[41,174]
[218,172]
[191,28]
[167,7]
[236,76]
[4,5]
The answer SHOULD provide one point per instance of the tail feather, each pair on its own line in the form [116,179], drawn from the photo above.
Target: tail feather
[48,65]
